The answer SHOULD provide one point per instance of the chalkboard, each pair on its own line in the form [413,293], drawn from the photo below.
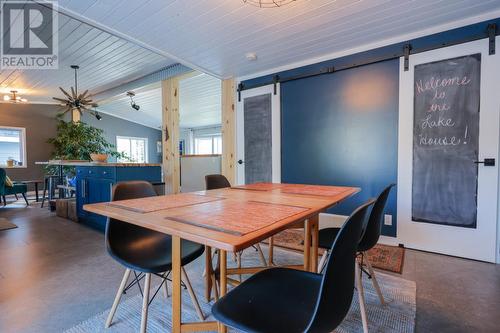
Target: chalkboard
[445,141]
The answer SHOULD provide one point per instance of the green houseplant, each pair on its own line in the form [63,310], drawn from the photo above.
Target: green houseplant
[78,140]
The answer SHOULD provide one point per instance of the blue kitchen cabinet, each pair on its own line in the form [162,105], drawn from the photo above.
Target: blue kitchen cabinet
[94,184]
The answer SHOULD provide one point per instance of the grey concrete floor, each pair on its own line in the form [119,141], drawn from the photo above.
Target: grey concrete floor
[55,273]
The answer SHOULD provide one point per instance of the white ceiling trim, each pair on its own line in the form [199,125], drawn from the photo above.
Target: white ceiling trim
[398,39]
[128,38]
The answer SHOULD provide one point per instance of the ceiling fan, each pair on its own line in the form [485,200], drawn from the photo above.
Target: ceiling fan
[74,101]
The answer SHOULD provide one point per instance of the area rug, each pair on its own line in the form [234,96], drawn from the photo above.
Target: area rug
[397,316]
[386,257]
[6,224]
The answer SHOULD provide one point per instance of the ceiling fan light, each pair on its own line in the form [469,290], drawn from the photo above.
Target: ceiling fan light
[6,97]
[24,100]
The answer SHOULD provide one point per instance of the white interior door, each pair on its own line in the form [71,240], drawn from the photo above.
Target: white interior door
[479,242]
[258,135]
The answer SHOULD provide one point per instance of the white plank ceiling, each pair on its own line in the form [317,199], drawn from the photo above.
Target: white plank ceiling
[105,61]
[199,103]
[215,35]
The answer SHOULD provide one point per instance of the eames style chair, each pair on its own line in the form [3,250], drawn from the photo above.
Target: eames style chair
[369,240]
[284,300]
[145,252]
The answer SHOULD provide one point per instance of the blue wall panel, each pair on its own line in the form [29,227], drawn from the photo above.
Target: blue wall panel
[342,129]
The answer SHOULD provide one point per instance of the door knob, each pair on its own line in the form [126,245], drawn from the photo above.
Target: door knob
[240,162]
[486,162]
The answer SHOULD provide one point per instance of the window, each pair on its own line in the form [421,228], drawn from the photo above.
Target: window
[210,144]
[134,148]
[13,146]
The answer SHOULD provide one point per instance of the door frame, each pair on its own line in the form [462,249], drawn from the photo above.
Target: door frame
[275,134]
[450,240]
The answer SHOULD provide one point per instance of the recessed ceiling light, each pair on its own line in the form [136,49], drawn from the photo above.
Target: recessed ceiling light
[252,56]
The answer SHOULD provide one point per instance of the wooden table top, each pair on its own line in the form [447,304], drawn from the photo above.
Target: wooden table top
[243,216]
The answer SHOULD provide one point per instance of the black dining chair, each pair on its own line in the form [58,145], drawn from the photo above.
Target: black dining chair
[279,300]
[145,251]
[368,241]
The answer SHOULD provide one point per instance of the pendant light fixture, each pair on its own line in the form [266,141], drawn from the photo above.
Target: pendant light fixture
[14,98]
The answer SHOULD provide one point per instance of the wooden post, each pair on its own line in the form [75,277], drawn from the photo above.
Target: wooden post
[170,134]
[228,130]
[75,115]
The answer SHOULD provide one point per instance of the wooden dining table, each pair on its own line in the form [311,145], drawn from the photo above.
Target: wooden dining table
[230,220]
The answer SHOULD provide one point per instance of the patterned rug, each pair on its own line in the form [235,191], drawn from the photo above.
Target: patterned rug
[397,316]
[386,257]
[6,224]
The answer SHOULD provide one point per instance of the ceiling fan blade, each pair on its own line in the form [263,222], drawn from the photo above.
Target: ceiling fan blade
[60,99]
[65,93]
[86,101]
[82,96]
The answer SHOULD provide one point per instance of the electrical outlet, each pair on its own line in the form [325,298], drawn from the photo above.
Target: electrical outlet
[387,219]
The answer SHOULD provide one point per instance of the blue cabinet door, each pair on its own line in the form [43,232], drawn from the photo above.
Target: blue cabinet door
[97,190]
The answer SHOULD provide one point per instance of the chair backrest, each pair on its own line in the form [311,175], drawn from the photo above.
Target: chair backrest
[337,286]
[119,233]
[214,182]
[3,176]
[375,221]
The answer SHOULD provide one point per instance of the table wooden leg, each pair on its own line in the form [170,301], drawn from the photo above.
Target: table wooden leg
[223,282]
[314,243]
[208,273]
[176,284]
[307,244]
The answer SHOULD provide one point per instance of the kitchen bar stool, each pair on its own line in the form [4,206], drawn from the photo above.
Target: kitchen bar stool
[145,251]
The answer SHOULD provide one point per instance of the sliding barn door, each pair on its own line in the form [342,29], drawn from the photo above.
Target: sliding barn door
[258,136]
[448,151]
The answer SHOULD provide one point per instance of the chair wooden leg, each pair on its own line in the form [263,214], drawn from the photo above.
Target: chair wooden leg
[215,287]
[145,302]
[238,263]
[194,299]
[15,194]
[361,296]
[322,261]
[261,254]
[374,280]
[270,257]
[4,201]
[25,199]
[165,289]
[118,296]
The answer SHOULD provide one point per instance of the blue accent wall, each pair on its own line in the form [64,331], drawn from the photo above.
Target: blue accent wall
[342,129]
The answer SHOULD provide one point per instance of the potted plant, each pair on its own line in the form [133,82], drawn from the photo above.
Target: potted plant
[79,141]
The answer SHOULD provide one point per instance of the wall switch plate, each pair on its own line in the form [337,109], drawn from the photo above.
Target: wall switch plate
[387,219]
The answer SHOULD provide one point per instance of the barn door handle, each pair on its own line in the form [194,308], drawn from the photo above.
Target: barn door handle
[486,162]
[240,162]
